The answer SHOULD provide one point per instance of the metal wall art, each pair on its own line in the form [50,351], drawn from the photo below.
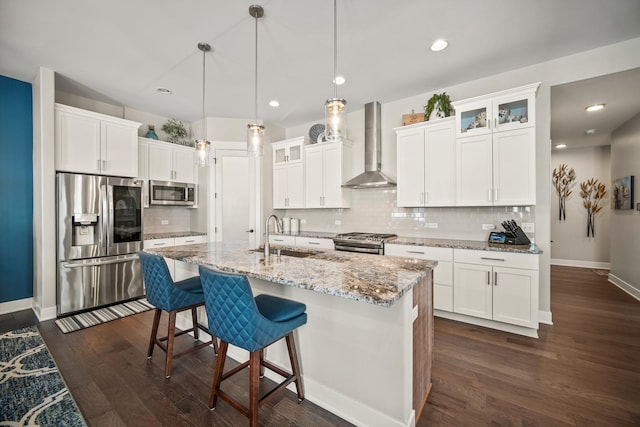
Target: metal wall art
[592,193]
[563,178]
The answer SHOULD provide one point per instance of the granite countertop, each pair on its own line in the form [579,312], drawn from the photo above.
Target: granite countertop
[172,234]
[465,244]
[342,274]
[438,243]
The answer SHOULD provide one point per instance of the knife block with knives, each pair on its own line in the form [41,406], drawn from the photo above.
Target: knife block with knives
[513,235]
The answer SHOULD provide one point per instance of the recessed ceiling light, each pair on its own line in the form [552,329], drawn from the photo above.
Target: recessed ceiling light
[274,103]
[164,91]
[439,45]
[594,107]
[590,131]
[561,145]
[339,80]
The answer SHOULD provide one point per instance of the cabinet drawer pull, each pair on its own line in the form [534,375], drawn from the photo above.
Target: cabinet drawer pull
[189,241]
[158,244]
[313,243]
[415,252]
[278,240]
[492,259]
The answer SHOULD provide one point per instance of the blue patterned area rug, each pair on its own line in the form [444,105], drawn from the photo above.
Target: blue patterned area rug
[32,391]
[102,315]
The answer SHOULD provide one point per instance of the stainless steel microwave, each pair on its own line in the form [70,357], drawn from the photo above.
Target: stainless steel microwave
[167,193]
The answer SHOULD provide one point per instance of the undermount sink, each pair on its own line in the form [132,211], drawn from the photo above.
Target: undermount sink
[287,252]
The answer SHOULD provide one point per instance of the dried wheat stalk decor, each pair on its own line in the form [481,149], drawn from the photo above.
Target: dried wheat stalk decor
[563,178]
[592,193]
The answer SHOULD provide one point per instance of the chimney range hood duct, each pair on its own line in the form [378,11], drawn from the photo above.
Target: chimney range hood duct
[372,177]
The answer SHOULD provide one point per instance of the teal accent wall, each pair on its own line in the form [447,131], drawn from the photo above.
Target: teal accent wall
[16,190]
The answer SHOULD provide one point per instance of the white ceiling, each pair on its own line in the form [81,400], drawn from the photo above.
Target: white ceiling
[120,51]
[620,92]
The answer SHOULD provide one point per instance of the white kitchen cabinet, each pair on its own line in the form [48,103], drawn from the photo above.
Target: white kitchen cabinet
[279,239]
[93,143]
[143,169]
[300,241]
[179,270]
[497,286]
[171,162]
[289,151]
[325,169]
[495,149]
[426,164]
[442,273]
[506,110]
[288,173]
[496,169]
[314,243]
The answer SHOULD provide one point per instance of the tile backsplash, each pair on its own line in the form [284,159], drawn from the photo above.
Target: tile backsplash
[375,210]
[178,218]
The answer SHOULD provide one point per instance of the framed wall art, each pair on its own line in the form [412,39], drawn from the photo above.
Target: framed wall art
[622,193]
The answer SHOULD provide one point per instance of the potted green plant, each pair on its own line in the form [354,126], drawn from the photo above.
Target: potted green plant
[438,106]
[175,129]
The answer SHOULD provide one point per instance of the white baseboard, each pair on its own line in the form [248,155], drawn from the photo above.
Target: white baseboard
[505,327]
[44,313]
[545,317]
[579,263]
[627,287]
[327,398]
[17,305]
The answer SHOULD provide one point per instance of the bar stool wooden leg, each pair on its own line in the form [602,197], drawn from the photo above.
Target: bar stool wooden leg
[194,319]
[154,332]
[293,358]
[254,386]
[217,374]
[171,335]
[261,362]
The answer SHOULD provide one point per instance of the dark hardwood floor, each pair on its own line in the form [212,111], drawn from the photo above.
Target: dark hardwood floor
[584,370]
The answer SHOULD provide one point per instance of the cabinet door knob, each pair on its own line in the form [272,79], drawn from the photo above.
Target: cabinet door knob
[249,231]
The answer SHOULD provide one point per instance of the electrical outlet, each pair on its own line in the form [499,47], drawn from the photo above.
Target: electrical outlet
[488,227]
[528,227]
[338,222]
[164,222]
[432,225]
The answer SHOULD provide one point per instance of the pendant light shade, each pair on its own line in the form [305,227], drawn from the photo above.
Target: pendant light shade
[255,130]
[335,108]
[202,145]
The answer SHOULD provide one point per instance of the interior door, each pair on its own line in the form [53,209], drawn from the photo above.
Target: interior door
[235,196]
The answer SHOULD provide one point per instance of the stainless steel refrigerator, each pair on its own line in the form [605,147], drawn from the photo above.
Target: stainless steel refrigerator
[99,234]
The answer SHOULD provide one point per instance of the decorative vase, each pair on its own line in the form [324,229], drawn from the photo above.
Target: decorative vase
[151,133]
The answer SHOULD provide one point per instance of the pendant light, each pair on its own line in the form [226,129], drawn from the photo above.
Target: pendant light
[255,130]
[202,145]
[335,108]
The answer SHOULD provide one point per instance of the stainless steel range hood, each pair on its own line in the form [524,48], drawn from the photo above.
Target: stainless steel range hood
[372,177]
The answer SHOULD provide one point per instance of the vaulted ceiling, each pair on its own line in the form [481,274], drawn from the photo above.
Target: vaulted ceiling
[122,51]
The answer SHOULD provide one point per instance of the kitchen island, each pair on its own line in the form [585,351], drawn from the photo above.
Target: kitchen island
[366,350]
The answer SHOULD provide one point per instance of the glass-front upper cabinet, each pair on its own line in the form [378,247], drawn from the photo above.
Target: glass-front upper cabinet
[288,151]
[506,110]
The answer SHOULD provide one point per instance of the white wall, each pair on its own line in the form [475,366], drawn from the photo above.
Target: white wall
[605,60]
[44,199]
[571,246]
[625,224]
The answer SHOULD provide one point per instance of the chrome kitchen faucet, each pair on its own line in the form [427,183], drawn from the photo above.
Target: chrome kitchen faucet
[266,232]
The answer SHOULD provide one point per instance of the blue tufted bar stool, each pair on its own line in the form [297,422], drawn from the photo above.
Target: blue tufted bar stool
[173,297]
[237,318]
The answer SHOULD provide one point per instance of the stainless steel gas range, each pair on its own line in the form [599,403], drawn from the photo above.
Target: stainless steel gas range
[371,243]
